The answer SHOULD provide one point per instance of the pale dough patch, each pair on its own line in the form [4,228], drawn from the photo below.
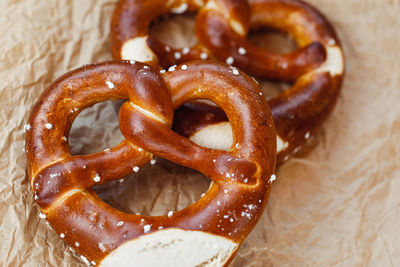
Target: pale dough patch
[173,247]
[334,63]
[281,145]
[216,136]
[138,50]
[219,136]
[237,27]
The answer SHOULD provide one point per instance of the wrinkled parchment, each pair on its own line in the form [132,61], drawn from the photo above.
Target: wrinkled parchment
[337,204]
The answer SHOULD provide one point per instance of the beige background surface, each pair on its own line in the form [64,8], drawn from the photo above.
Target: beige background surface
[338,205]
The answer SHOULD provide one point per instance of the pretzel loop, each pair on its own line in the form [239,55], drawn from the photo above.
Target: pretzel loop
[227,212]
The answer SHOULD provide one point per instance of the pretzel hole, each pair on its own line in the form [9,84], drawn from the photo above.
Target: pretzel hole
[277,42]
[176,31]
[155,190]
[95,129]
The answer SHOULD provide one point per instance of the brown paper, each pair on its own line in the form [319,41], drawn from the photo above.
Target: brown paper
[335,205]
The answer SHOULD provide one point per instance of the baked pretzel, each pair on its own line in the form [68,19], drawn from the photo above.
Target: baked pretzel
[299,111]
[317,67]
[209,231]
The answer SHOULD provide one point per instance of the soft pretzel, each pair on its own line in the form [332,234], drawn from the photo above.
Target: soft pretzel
[221,26]
[299,111]
[131,19]
[317,67]
[208,232]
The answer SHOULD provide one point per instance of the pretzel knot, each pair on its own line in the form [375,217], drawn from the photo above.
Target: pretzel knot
[222,218]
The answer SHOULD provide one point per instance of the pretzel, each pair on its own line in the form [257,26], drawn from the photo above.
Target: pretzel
[131,18]
[299,111]
[207,232]
[221,26]
[317,67]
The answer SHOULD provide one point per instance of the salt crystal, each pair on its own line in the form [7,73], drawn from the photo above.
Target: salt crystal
[146,228]
[229,60]
[110,84]
[242,51]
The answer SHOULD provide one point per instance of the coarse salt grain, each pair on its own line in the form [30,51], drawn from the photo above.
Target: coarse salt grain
[170,213]
[96,178]
[177,55]
[135,169]
[184,67]
[203,55]
[49,126]
[102,247]
[110,84]
[153,161]
[146,228]
[85,260]
[27,127]
[185,50]
[242,51]
[229,60]
[120,223]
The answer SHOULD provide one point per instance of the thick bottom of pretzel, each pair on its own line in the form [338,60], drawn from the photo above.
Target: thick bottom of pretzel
[167,247]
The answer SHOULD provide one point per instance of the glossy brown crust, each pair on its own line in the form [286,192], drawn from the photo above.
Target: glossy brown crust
[61,182]
[131,19]
[299,111]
